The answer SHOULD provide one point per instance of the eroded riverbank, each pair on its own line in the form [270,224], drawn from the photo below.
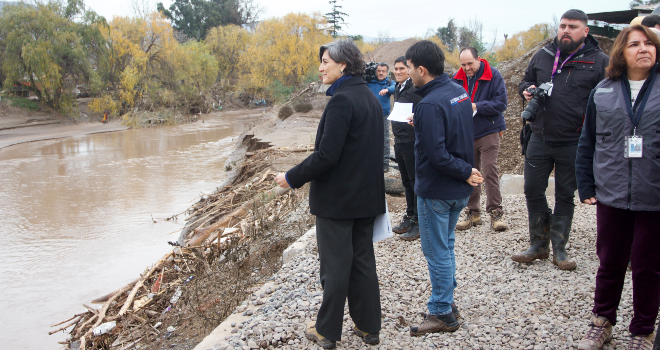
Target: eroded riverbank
[77,214]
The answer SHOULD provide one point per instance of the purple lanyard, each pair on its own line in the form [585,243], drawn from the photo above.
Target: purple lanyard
[554,68]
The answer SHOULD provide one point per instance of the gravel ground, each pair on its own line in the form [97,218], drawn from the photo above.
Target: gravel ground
[505,305]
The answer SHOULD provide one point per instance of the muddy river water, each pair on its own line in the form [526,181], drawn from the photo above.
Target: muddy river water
[76,215]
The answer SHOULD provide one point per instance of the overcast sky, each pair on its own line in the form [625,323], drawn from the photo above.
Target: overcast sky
[409,18]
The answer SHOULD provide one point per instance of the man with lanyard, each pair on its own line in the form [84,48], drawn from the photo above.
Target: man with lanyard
[404,150]
[573,65]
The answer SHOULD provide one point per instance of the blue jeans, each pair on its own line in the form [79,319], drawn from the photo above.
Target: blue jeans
[437,221]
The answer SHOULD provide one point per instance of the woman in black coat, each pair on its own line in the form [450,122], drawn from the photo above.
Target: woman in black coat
[347,192]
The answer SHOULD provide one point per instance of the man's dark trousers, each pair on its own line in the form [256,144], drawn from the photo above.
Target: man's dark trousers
[348,270]
[405,158]
[540,158]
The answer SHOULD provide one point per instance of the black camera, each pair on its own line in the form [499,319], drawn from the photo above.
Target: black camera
[370,72]
[540,94]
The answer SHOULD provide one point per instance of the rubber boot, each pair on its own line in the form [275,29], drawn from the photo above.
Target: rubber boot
[539,239]
[560,229]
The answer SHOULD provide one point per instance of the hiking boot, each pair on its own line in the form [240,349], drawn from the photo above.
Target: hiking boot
[496,221]
[599,333]
[314,336]
[403,226]
[412,234]
[369,338]
[472,218]
[454,310]
[435,324]
[641,342]
[539,239]
[560,229]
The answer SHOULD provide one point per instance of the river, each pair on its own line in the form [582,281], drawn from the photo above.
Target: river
[76,215]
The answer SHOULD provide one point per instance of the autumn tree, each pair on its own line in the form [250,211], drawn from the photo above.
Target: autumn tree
[448,35]
[54,46]
[636,3]
[195,17]
[335,18]
[516,45]
[284,49]
[227,44]
[471,34]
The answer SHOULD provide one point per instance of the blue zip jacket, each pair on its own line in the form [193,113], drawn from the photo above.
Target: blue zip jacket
[444,140]
[375,86]
[489,94]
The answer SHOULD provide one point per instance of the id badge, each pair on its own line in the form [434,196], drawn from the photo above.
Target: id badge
[550,89]
[633,146]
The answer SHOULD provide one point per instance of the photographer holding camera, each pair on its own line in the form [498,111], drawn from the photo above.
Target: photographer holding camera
[383,88]
[565,72]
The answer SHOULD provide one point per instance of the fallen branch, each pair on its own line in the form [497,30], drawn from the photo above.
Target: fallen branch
[75,320]
[139,284]
[105,298]
[201,234]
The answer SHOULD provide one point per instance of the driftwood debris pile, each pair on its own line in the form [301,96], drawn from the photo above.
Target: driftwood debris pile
[232,242]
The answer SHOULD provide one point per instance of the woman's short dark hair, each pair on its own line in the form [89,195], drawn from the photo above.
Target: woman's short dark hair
[429,55]
[345,51]
[617,61]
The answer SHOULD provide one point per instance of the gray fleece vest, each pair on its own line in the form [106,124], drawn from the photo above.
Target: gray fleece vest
[626,183]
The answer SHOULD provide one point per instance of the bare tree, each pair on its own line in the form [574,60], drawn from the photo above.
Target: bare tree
[554,25]
[142,8]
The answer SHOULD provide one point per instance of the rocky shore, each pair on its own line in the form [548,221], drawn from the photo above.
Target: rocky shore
[505,305]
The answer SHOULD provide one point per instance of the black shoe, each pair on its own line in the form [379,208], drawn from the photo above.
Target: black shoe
[369,338]
[412,234]
[403,226]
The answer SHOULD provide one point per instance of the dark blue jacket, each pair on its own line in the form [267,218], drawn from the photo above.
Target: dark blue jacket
[444,140]
[489,94]
[375,86]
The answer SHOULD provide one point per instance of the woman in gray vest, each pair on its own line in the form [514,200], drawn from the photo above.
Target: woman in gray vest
[618,169]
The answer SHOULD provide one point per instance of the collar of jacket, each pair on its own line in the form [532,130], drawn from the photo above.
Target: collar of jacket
[433,84]
[487,75]
[340,83]
[405,84]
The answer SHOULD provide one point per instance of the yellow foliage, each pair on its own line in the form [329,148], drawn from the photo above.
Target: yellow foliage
[142,50]
[451,58]
[227,44]
[522,42]
[103,104]
[284,49]
[365,47]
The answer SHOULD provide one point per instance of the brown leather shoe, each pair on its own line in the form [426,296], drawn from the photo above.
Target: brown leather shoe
[497,223]
[313,335]
[599,333]
[471,219]
[435,324]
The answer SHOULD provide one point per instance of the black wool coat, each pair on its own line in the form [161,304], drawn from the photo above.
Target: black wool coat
[346,168]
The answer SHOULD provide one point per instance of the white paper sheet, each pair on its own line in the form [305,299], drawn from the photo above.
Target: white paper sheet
[383,226]
[401,112]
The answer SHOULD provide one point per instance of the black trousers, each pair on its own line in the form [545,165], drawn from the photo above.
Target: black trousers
[348,271]
[405,158]
[541,157]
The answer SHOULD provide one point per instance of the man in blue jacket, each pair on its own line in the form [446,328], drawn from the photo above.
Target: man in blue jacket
[383,88]
[485,86]
[445,175]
